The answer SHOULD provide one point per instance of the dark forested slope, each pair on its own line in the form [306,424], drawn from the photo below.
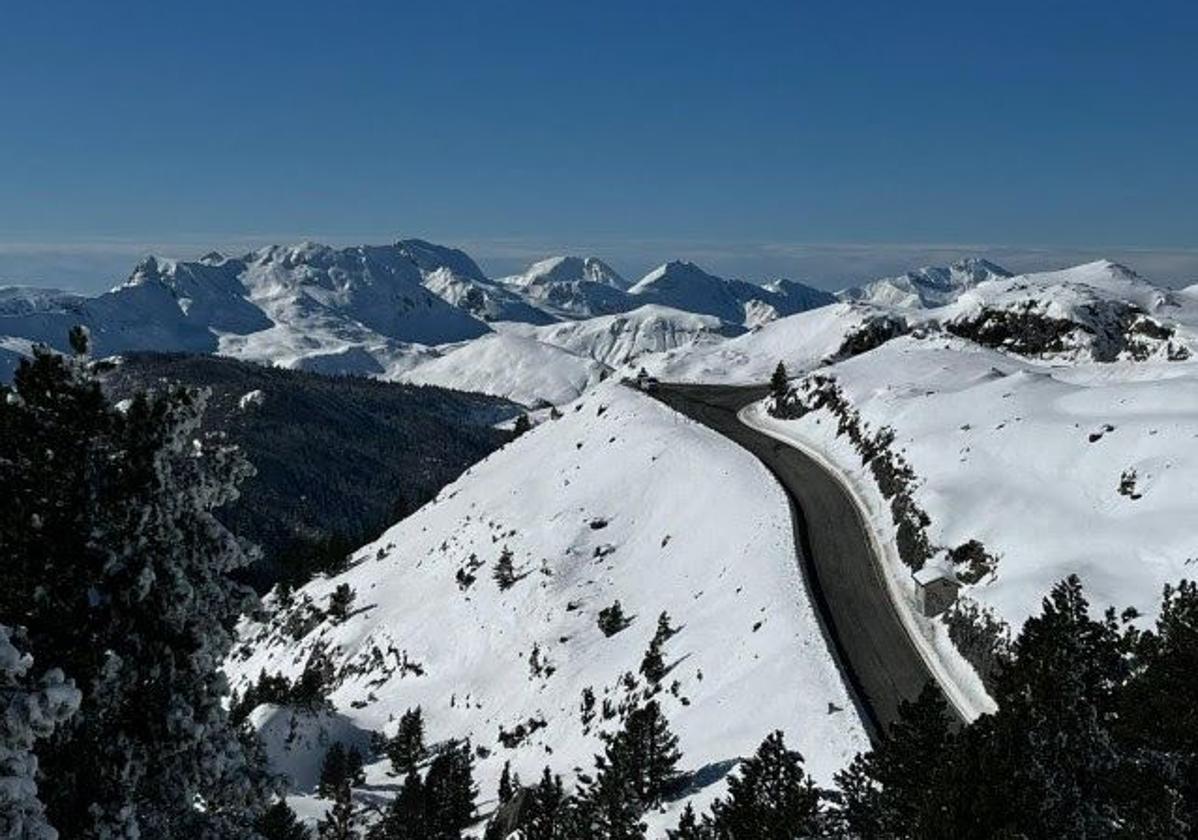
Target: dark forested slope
[338,458]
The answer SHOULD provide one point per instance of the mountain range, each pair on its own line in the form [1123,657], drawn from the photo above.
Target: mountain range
[418,312]
[364,309]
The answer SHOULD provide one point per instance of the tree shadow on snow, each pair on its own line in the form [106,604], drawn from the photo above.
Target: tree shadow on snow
[691,783]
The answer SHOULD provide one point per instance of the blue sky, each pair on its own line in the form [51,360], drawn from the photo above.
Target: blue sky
[818,140]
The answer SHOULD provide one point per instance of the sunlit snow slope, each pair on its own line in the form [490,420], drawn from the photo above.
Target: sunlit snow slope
[622,499]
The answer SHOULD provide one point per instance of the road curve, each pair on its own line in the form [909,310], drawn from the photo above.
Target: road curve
[880,662]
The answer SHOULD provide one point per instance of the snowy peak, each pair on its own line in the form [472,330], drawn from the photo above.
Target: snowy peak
[569,269]
[977,269]
[456,278]
[928,286]
[572,288]
[430,257]
[683,285]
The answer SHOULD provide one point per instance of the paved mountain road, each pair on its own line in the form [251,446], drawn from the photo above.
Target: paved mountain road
[881,663]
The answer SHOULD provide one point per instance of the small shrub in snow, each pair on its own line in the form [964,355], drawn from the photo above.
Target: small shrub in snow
[612,619]
[340,602]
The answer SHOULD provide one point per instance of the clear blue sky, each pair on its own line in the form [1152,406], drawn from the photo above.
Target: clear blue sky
[517,128]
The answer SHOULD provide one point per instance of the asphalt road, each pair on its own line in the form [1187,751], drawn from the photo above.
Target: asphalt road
[871,646]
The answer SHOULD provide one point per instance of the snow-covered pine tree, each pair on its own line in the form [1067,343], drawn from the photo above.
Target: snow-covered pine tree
[29,709]
[114,562]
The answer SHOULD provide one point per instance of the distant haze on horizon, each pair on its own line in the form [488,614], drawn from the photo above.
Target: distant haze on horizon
[827,142]
[95,266]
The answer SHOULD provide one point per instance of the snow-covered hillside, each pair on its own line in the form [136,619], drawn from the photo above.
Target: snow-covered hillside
[516,367]
[927,287]
[1086,468]
[800,341]
[1051,416]
[619,499]
[621,339]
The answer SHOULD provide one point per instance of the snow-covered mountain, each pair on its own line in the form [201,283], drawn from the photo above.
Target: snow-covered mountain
[621,339]
[280,305]
[619,499]
[568,269]
[453,276]
[927,287]
[683,285]
[572,287]
[1099,311]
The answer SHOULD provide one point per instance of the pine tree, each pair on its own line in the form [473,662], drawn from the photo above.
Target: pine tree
[650,752]
[340,823]
[333,770]
[114,562]
[340,602]
[405,817]
[653,666]
[608,806]
[1056,701]
[507,788]
[354,771]
[779,384]
[449,792]
[888,792]
[664,630]
[1156,721]
[546,817]
[690,827]
[406,750]
[79,337]
[505,572]
[278,822]
[769,797]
